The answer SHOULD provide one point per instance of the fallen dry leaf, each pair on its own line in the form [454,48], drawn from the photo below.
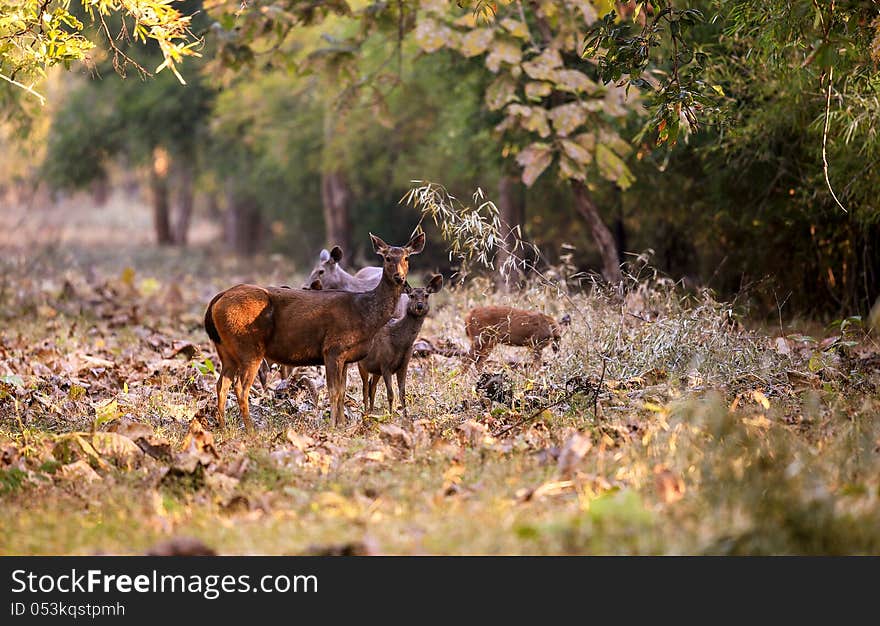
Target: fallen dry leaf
[120,449]
[474,433]
[395,436]
[572,452]
[669,487]
[199,441]
[78,471]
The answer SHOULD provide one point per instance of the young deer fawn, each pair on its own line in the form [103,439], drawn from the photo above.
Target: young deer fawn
[392,347]
[248,323]
[487,326]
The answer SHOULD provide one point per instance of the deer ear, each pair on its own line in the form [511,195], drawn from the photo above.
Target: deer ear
[336,254]
[378,245]
[416,244]
[435,284]
[324,256]
[407,289]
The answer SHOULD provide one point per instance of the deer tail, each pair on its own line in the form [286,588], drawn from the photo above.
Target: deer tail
[210,327]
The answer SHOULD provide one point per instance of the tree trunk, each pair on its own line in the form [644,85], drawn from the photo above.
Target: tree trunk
[185,201]
[511,206]
[601,234]
[100,191]
[335,196]
[243,224]
[620,234]
[159,193]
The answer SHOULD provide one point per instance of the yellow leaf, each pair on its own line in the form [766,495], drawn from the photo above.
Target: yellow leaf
[107,411]
[127,277]
[534,160]
[761,399]
[515,28]
[476,42]
[148,287]
[759,422]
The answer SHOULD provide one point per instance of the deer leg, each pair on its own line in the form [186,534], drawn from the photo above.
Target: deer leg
[246,380]
[336,387]
[226,377]
[310,386]
[481,353]
[365,382]
[401,387]
[374,384]
[264,375]
[386,376]
[537,362]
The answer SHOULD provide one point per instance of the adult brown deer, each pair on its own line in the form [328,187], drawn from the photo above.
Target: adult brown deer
[487,326]
[392,347]
[248,323]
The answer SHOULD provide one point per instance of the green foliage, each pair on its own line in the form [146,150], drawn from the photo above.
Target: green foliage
[37,35]
[105,118]
[553,109]
[675,89]
[12,480]
[85,134]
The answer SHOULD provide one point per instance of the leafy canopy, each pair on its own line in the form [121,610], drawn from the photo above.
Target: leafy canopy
[36,35]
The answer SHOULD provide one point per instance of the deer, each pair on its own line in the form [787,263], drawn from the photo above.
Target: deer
[331,275]
[393,347]
[487,326]
[249,323]
[287,370]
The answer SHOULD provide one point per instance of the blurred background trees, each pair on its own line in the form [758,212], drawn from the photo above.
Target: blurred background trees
[699,130]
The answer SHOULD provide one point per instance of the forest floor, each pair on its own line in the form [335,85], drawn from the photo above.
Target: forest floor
[663,426]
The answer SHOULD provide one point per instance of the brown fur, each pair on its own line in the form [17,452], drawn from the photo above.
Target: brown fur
[286,370]
[303,327]
[391,350]
[487,326]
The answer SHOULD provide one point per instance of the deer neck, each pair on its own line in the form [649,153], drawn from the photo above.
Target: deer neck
[377,306]
[406,329]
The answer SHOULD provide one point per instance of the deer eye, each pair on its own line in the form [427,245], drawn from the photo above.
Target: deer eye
[320,272]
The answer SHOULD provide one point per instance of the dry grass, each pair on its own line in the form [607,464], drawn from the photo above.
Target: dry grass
[674,431]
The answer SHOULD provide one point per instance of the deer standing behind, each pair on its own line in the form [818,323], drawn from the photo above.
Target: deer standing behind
[248,323]
[487,326]
[331,275]
[392,347]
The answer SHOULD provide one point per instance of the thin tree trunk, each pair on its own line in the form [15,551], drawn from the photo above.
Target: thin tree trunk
[511,206]
[335,196]
[185,201]
[243,224]
[159,193]
[100,191]
[601,234]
